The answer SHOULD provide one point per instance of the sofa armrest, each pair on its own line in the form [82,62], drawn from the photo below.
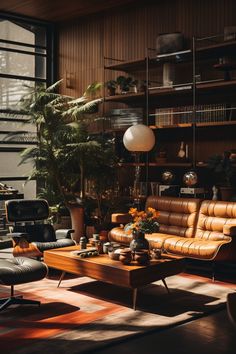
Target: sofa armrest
[229,230]
[121,218]
[64,233]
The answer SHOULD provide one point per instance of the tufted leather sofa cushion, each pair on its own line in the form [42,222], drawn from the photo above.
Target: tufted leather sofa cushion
[177,216]
[214,217]
[215,226]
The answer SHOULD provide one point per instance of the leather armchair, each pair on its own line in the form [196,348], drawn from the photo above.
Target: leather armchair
[30,235]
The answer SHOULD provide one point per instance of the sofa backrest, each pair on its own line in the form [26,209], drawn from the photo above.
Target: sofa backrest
[214,216]
[178,216]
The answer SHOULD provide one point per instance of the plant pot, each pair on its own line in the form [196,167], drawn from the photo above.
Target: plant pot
[77,222]
[111,91]
[226,193]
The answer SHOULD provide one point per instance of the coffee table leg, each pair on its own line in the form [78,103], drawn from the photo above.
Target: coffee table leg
[135,290]
[61,278]
[164,282]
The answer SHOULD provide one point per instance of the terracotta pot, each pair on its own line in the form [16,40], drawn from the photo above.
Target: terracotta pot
[77,222]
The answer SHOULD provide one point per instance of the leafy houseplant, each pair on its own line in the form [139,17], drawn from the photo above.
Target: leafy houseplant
[222,169]
[66,155]
[223,173]
[124,83]
[111,86]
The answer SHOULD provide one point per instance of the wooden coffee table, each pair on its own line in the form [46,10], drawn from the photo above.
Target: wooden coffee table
[103,268]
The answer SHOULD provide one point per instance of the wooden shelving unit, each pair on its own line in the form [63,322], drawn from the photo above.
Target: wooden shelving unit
[203,87]
[194,131]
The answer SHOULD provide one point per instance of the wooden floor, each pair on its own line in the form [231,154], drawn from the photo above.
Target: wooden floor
[210,334]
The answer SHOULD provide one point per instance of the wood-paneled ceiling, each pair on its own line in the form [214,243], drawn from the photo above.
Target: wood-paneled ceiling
[60,10]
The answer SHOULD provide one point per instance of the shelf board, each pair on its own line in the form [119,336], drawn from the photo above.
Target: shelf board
[155,164]
[170,164]
[204,164]
[173,126]
[128,97]
[215,85]
[215,50]
[215,124]
[189,125]
[182,56]
[129,65]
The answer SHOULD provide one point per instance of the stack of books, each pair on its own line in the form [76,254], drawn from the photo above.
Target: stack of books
[121,118]
[186,114]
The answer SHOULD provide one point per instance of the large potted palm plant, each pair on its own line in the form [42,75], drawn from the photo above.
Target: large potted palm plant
[65,154]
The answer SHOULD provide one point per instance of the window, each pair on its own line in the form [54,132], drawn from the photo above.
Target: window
[26,53]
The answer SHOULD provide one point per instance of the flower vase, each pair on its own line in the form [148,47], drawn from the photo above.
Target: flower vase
[138,242]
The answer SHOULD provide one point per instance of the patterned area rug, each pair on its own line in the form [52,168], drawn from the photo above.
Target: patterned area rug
[84,314]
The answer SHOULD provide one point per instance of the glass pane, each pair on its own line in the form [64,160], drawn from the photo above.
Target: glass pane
[16,126]
[22,64]
[10,161]
[28,189]
[22,32]
[22,137]
[11,91]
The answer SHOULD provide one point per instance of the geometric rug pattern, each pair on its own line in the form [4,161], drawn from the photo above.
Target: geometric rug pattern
[83,314]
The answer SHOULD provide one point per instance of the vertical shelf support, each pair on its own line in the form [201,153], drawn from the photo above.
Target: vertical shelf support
[194,102]
[147,114]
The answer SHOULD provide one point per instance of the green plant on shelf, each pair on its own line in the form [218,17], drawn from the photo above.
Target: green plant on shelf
[222,169]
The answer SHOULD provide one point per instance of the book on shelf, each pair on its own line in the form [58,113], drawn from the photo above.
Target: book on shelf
[209,113]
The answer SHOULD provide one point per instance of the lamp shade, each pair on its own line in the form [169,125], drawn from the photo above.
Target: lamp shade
[139,137]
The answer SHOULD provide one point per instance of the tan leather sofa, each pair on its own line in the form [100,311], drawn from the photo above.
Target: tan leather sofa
[192,228]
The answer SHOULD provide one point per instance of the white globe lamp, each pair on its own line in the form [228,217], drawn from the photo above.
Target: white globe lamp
[139,138]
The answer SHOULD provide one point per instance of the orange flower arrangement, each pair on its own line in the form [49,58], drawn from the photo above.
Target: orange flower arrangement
[145,221]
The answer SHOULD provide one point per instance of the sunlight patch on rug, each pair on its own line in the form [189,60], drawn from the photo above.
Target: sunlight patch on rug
[84,314]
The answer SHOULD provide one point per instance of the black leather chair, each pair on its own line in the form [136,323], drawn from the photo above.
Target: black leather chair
[20,270]
[30,236]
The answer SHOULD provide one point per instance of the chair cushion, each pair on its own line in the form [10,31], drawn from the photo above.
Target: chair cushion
[20,270]
[26,210]
[64,242]
[37,232]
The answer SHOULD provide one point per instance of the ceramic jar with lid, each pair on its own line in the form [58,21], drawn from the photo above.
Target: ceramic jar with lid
[125,256]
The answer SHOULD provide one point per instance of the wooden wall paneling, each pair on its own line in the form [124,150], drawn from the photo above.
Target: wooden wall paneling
[125,34]
[81,55]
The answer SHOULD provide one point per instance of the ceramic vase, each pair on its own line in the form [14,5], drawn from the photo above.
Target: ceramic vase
[139,242]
